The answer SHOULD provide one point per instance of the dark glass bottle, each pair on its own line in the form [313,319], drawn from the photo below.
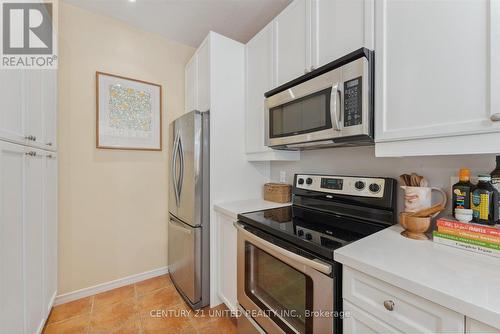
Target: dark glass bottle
[462,190]
[484,202]
[495,178]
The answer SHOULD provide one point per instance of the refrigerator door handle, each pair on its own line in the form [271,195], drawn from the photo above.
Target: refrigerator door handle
[181,176]
[179,227]
[174,168]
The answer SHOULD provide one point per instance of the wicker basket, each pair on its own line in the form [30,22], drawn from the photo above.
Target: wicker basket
[278,192]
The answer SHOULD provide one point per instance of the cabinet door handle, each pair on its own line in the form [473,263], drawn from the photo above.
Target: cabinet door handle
[30,137]
[495,117]
[49,144]
[31,153]
[389,305]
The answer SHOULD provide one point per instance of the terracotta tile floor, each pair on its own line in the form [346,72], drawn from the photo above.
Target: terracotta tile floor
[151,306]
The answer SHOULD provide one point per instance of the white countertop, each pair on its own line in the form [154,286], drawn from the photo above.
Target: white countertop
[232,209]
[465,282]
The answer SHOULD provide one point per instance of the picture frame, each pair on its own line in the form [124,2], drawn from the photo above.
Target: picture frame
[128,113]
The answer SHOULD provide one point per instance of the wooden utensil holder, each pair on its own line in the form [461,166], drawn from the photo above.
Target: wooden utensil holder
[415,227]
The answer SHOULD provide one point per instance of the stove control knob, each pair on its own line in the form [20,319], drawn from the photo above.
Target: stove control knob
[374,188]
[309,236]
[301,181]
[359,185]
[309,180]
[300,233]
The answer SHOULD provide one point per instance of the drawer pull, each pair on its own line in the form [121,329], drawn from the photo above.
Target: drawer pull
[495,117]
[389,305]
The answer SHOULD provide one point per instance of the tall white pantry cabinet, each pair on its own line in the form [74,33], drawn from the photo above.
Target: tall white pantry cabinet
[28,199]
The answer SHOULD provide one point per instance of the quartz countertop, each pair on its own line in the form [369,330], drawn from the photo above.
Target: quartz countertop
[232,209]
[463,281]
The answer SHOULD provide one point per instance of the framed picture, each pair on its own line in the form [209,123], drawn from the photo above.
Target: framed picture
[129,113]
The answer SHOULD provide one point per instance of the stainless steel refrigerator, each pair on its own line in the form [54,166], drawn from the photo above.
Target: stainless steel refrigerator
[189,208]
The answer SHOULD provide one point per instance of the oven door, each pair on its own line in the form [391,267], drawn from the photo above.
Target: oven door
[280,289]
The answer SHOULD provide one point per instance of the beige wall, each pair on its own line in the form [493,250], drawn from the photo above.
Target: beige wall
[112,204]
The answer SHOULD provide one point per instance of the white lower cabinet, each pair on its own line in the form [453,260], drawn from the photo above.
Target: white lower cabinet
[12,163]
[358,321]
[33,242]
[50,231]
[474,326]
[227,285]
[383,308]
[28,237]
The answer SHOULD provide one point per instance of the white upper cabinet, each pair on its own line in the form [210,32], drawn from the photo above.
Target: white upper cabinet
[203,77]
[292,50]
[34,105]
[28,107]
[11,104]
[340,27]
[49,108]
[197,79]
[259,79]
[312,33]
[191,94]
[437,70]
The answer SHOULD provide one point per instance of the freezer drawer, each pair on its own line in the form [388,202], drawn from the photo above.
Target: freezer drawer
[184,258]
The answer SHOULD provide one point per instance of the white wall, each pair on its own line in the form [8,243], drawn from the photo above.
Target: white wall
[112,204]
[362,161]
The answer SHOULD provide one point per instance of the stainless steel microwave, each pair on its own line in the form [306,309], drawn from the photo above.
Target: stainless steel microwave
[330,106]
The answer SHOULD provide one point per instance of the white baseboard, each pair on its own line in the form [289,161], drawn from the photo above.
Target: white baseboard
[103,287]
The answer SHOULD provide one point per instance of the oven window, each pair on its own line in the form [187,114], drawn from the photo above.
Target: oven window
[276,287]
[308,114]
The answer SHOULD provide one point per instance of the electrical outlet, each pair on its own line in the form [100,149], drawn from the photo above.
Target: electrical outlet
[282,176]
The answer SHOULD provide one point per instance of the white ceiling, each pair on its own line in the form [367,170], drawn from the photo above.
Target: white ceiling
[189,21]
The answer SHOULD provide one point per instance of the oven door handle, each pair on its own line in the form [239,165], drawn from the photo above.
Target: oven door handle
[314,263]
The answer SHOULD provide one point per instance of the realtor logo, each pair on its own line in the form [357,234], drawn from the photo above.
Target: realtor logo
[28,34]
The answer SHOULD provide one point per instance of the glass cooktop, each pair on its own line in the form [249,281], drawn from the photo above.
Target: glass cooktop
[316,231]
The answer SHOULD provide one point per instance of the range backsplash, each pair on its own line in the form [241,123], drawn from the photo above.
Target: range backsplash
[361,161]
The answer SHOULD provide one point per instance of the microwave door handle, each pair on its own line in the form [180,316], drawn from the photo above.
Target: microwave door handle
[314,263]
[334,112]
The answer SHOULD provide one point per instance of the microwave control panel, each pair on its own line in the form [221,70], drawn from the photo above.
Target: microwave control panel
[353,107]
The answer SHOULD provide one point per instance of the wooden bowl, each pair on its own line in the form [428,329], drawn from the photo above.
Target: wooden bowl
[415,227]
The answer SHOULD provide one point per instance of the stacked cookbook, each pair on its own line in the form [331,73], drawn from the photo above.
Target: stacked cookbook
[473,237]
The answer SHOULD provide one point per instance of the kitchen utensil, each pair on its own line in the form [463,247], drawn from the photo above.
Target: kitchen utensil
[427,212]
[424,182]
[415,227]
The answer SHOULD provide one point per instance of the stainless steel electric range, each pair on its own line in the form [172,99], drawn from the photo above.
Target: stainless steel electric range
[288,281]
